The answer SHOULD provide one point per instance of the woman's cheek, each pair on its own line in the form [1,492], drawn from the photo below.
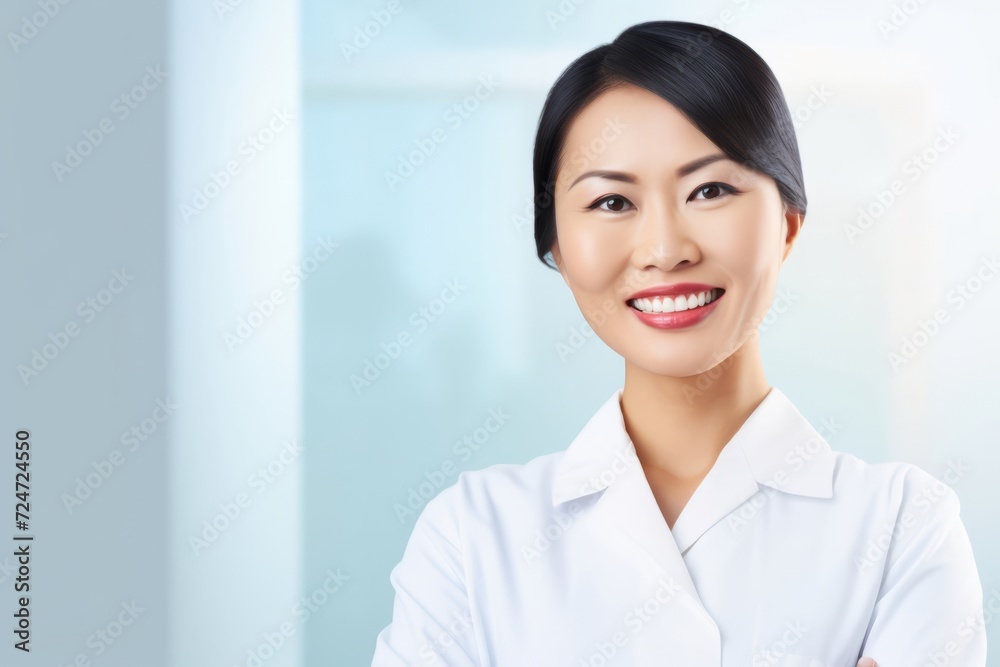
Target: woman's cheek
[592,259]
[748,248]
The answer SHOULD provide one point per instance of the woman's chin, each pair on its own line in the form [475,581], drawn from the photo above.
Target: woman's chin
[672,366]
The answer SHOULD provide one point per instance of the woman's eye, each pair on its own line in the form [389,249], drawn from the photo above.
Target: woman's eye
[712,191]
[615,204]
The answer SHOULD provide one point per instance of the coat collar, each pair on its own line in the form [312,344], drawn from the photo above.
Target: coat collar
[776,446]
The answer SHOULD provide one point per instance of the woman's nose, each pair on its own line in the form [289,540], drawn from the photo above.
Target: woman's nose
[663,240]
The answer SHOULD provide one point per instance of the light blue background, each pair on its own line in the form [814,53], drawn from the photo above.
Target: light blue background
[462,216]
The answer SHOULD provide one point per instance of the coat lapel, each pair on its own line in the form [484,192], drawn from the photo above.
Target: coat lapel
[776,446]
[674,626]
[728,484]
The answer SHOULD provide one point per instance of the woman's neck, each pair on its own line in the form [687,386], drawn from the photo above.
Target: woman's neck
[679,425]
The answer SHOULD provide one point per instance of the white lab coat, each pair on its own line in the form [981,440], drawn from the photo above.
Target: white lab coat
[787,554]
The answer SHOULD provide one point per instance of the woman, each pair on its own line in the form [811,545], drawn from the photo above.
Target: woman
[698,518]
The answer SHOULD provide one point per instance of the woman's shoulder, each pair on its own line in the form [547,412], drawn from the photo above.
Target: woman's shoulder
[510,484]
[898,486]
[496,493]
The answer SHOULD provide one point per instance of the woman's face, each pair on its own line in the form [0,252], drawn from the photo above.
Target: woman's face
[650,219]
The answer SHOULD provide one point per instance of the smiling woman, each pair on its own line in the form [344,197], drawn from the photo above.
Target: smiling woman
[698,518]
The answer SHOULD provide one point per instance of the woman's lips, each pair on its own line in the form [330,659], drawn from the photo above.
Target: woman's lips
[678,319]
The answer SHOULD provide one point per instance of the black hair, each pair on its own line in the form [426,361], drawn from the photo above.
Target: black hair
[719,83]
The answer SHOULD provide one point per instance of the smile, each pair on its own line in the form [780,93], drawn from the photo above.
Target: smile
[668,304]
[676,311]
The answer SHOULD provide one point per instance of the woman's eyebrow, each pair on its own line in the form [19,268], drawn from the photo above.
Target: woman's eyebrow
[626,177]
[623,176]
[695,165]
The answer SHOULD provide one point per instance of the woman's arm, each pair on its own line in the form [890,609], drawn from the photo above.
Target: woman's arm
[431,620]
[929,609]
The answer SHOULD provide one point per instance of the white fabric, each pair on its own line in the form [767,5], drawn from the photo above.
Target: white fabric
[788,554]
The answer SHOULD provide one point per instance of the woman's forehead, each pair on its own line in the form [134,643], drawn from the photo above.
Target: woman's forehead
[629,124]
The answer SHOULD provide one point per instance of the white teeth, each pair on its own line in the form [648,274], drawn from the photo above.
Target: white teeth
[668,304]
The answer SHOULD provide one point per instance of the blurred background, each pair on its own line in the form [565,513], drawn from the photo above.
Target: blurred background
[267,269]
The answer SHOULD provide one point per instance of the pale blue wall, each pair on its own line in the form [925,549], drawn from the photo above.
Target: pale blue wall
[455,218]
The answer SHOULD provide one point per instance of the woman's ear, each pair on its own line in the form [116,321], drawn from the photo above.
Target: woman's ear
[557,258]
[793,225]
